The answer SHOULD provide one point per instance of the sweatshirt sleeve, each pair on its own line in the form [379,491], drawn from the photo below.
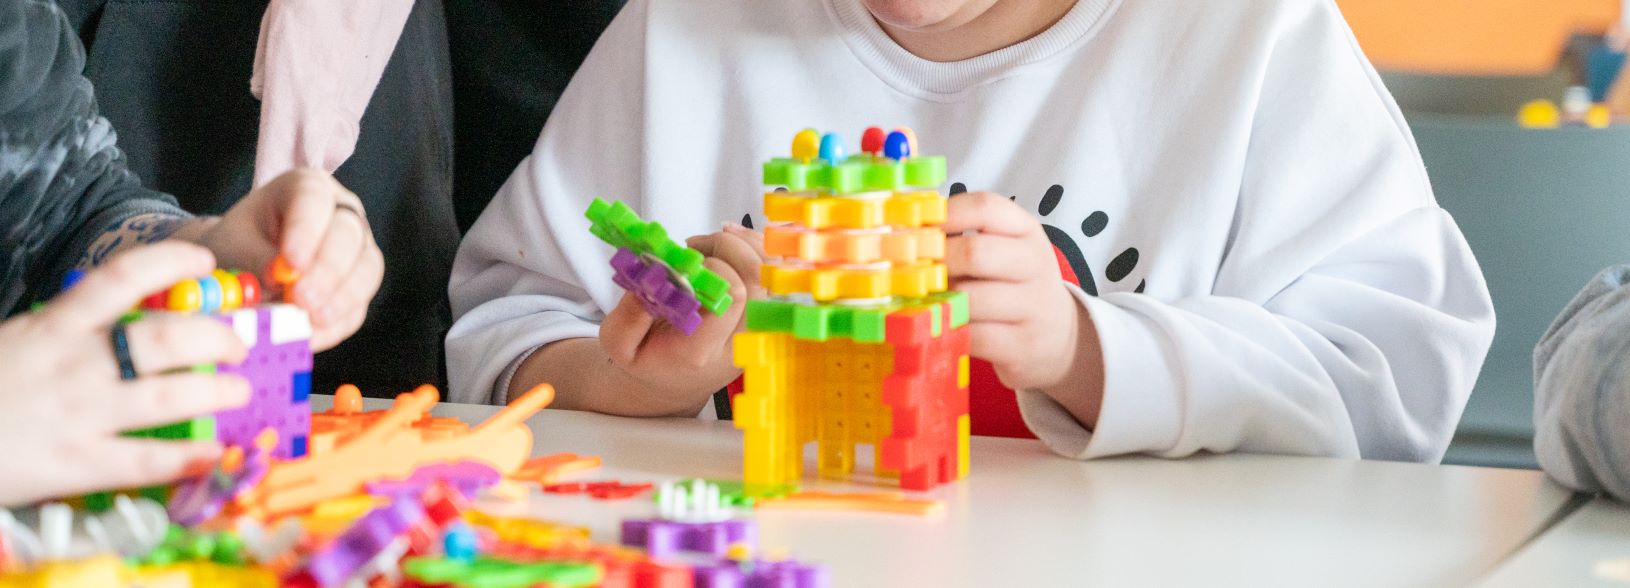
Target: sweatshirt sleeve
[519,280]
[63,180]
[1348,317]
[1582,389]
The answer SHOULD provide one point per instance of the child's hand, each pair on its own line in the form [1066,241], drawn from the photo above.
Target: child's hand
[686,370]
[1022,318]
[62,403]
[321,229]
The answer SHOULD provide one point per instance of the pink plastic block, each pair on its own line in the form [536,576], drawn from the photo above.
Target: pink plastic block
[654,286]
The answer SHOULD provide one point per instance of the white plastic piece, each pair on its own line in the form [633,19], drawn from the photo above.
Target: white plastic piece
[697,502]
[133,527]
[267,548]
[25,545]
[56,530]
[246,323]
[289,324]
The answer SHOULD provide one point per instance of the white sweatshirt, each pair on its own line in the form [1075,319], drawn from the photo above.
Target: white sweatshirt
[1238,163]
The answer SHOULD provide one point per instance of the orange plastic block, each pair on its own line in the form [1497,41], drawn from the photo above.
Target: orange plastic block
[550,468]
[826,283]
[346,419]
[854,245]
[884,502]
[391,447]
[900,209]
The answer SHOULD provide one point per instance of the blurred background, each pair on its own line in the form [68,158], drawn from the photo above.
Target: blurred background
[1522,121]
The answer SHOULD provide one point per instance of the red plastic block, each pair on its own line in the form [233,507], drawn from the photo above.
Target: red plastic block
[927,398]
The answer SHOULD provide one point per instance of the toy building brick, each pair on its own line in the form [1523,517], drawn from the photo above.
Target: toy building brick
[860,344]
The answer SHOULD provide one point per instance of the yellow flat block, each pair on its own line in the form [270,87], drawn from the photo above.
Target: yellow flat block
[855,245]
[831,283]
[901,209]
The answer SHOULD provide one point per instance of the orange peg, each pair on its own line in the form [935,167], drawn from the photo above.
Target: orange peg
[284,275]
[347,400]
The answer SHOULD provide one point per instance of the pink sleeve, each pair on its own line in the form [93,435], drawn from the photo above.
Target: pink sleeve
[316,66]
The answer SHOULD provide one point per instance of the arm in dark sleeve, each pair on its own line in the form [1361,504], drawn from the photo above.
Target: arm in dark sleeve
[63,181]
[1582,389]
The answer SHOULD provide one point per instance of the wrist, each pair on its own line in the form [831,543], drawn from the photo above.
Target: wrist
[1080,389]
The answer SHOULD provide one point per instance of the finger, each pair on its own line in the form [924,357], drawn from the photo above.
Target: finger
[706,244]
[987,212]
[161,342]
[752,237]
[124,462]
[998,302]
[111,290]
[986,256]
[347,308]
[624,329]
[736,252]
[998,343]
[159,400]
[342,247]
[305,201]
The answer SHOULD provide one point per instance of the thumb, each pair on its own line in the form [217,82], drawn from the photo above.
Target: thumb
[303,202]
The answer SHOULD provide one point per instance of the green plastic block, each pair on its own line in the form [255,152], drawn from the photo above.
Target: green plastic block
[198,429]
[484,572]
[861,173]
[618,225]
[861,324]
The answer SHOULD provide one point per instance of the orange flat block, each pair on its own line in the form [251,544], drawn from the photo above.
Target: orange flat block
[391,447]
[884,502]
[899,245]
[551,468]
[1473,37]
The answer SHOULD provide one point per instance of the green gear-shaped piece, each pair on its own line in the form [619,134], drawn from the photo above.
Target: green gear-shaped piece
[861,324]
[485,572]
[618,225]
[861,173]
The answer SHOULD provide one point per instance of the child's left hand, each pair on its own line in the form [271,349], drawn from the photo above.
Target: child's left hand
[321,229]
[1022,318]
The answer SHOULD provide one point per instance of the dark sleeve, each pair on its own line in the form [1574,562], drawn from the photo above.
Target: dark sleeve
[63,180]
[1582,389]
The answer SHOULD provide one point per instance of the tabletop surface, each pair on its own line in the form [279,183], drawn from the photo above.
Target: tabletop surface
[1591,547]
[1026,517]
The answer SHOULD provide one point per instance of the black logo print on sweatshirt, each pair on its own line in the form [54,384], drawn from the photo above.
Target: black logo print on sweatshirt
[1116,270]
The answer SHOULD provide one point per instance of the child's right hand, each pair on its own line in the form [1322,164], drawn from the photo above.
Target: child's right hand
[63,405]
[684,371]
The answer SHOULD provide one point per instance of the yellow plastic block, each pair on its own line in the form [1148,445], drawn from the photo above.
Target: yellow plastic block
[831,283]
[846,377]
[962,372]
[202,574]
[964,428]
[764,411]
[98,571]
[902,209]
[533,533]
[855,245]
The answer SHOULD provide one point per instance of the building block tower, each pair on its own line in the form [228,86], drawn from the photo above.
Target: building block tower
[861,343]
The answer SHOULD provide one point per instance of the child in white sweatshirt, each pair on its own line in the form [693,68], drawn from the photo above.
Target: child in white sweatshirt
[1261,263]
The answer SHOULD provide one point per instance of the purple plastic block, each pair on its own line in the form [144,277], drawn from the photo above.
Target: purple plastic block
[760,574]
[654,286]
[198,499]
[271,371]
[468,477]
[366,538]
[662,538]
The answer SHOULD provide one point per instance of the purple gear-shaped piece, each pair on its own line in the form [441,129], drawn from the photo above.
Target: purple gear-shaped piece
[662,538]
[654,285]
[200,499]
[760,574]
[366,538]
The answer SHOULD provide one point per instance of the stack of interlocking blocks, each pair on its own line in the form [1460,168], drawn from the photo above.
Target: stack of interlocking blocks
[861,343]
[278,368]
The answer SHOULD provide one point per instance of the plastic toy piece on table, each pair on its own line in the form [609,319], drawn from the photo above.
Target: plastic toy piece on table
[371,535]
[346,419]
[882,502]
[550,469]
[617,224]
[390,447]
[532,533]
[199,499]
[200,574]
[901,210]
[697,501]
[756,573]
[855,175]
[98,571]
[827,283]
[656,289]
[467,477]
[622,567]
[606,490]
[663,538]
[183,545]
[854,246]
[484,572]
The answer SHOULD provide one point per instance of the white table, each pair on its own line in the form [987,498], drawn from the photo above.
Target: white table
[1591,547]
[1026,517]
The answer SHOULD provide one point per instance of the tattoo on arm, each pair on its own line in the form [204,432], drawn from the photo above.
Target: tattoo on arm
[136,230]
